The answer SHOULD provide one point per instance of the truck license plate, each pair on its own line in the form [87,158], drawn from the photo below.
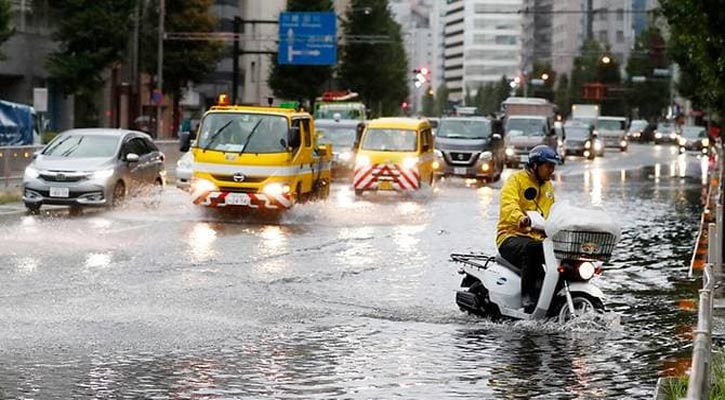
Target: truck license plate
[59,192]
[459,171]
[237,199]
[385,185]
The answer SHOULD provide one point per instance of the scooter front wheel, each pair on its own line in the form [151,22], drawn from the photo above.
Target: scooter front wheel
[583,303]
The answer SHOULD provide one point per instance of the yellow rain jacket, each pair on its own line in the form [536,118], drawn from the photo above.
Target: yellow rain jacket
[514,205]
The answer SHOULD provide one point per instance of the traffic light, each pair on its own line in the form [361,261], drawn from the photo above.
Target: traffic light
[422,75]
[404,104]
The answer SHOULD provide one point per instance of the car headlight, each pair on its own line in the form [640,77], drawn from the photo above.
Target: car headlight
[362,161]
[705,142]
[346,155]
[31,173]
[486,156]
[658,135]
[586,270]
[275,189]
[103,174]
[673,135]
[682,141]
[637,134]
[597,145]
[510,151]
[588,144]
[438,153]
[410,162]
[623,143]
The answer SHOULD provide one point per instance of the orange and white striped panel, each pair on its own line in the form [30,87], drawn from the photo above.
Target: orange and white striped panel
[369,177]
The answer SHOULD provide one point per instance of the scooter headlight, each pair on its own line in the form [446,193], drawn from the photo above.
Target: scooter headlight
[586,270]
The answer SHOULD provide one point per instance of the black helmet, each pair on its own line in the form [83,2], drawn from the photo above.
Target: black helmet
[543,154]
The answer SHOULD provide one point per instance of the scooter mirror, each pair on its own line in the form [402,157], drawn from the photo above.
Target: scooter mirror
[530,193]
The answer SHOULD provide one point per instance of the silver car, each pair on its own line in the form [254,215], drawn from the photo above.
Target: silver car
[184,171]
[93,167]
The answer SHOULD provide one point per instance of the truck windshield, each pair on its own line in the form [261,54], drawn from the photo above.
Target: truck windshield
[340,111]
[461,129]
[272,129]
[610,125]
[339,137]
[390,140]
[82,146]
[693,132]
[525,127]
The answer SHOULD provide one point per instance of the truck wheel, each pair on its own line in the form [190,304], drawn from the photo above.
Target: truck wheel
[325,190]
[358,192]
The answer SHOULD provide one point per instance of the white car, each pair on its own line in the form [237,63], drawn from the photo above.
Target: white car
[184,170]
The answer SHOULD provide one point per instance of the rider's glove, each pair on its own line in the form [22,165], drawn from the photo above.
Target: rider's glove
[525,222]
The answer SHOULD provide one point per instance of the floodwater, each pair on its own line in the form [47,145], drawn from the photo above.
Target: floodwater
[351,298]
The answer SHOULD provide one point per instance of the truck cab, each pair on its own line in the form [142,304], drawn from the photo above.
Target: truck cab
[613,132]
[263,158]
[528,123]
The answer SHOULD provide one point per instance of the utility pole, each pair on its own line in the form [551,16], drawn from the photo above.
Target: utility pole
[160,68]
[590,18]
[235,59]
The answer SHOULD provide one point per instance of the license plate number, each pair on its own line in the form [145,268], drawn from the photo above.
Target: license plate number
[460,171]
[237,199]
[385,185]
[59,192]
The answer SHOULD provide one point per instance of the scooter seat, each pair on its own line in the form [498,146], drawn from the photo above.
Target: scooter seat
[503,262]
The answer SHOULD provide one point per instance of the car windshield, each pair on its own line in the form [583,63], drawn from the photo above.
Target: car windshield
[229,132]
[339,111]
[577,132]
[524,127]
[462,129]
[610,125]
[637,125]
[339,137]
[665,127]
[82,146]
[693,132]
[390,140]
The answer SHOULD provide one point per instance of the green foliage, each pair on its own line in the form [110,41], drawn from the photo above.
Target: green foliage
[378,70]
[6,17]
[10,196]
[184,61]
[697,44]
[47,136]
[486,99]
[441,100]
[503,90]
[300,82]
[649,98]
[585,69]
[92,35]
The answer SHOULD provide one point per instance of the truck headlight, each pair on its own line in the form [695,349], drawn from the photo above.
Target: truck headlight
[410,162]
[103,174]
[275,189]
[202,186]
[658,135]
[438,153]
[510,151]
[486,156]
[705,142]
[588,144]
[623,143]
[362,161]
[682,141]
[597,145]
[31,173]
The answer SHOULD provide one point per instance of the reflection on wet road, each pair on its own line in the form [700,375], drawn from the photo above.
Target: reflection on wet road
[348,299]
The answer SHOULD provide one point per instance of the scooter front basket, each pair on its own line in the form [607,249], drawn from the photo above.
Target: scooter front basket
[583,245]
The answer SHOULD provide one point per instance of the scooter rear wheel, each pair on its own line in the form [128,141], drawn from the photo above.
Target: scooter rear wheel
[583,303]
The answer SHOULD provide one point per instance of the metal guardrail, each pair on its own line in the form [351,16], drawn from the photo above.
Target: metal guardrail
[698,387]
[14,159]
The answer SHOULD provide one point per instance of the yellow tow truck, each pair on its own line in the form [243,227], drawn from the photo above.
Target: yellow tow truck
[263,158]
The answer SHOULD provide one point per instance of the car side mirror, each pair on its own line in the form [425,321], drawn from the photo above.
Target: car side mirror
[496,137]
[132,157]
[283,143]
[184,141]
[295,137]
[36,154]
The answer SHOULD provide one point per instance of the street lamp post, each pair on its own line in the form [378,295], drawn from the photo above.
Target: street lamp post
[160,68]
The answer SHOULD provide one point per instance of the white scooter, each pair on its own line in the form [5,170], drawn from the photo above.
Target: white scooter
[578,241]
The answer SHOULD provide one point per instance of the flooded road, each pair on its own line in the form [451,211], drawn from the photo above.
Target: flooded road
[351,298]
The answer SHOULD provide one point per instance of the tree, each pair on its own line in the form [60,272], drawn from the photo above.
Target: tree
[300,82]
[373,58]
[92,36]
[441,100]
[585,69]
[184,61]
[6,17]
[503,90]
[650,97]
[697,44]
[428,102]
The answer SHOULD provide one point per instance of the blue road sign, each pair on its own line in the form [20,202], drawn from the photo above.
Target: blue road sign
[307,38]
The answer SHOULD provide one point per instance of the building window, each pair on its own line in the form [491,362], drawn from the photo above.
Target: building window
[603,37]
[620,36]
[620,14]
